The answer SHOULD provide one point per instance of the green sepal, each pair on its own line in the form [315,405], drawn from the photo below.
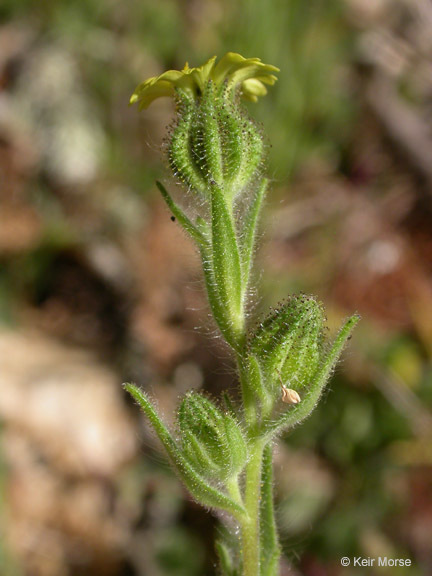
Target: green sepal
[197,486]
[211,137]
[199,457]
[226,265]
[212,441]
[312,393]
[289,343]
[252,152]
[269,543]
[229,406]
[181,154]
[183,220]
[256,383]
[238,446]
[232,144]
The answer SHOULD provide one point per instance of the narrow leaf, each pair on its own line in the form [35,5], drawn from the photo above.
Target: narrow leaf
[183,220]
[220,312]
[226,260]
[249,230]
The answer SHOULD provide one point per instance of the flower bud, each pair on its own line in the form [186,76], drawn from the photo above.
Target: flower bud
[212,441]
[217,150]
[289,344]
[215,142]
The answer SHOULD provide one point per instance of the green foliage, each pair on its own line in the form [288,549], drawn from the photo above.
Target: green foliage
[225,458]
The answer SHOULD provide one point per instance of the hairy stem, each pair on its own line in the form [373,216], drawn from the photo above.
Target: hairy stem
[270,549]
[250,523]
[249,404]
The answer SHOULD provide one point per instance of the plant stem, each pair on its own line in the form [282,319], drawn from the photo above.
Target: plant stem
[247,394]
[250,522]
[250,525]
[270,549]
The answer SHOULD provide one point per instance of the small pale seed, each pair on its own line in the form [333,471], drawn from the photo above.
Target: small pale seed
[290,396]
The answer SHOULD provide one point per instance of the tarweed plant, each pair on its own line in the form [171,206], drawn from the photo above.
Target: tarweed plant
[223,452]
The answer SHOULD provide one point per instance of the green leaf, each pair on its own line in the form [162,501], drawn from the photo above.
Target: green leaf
[197,486]
[249,230]
[219,311]
[183,220]
[229,406]
[226,263]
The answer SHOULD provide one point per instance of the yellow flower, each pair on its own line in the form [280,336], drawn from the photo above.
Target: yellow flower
[250,75]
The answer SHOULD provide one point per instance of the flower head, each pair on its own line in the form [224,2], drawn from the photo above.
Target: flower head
[248,75]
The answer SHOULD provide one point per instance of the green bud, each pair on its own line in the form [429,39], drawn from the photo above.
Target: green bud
[212,441]
[289,343]
[295,359]
[215,141]
[218,152]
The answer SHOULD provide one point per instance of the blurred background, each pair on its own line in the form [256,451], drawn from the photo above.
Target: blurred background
[98,286]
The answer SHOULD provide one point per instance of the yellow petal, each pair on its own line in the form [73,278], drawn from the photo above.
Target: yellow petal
[255,70]
[250,73]
[227,64]
[171,76]
[202,74]
[149,91]
[252,89]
